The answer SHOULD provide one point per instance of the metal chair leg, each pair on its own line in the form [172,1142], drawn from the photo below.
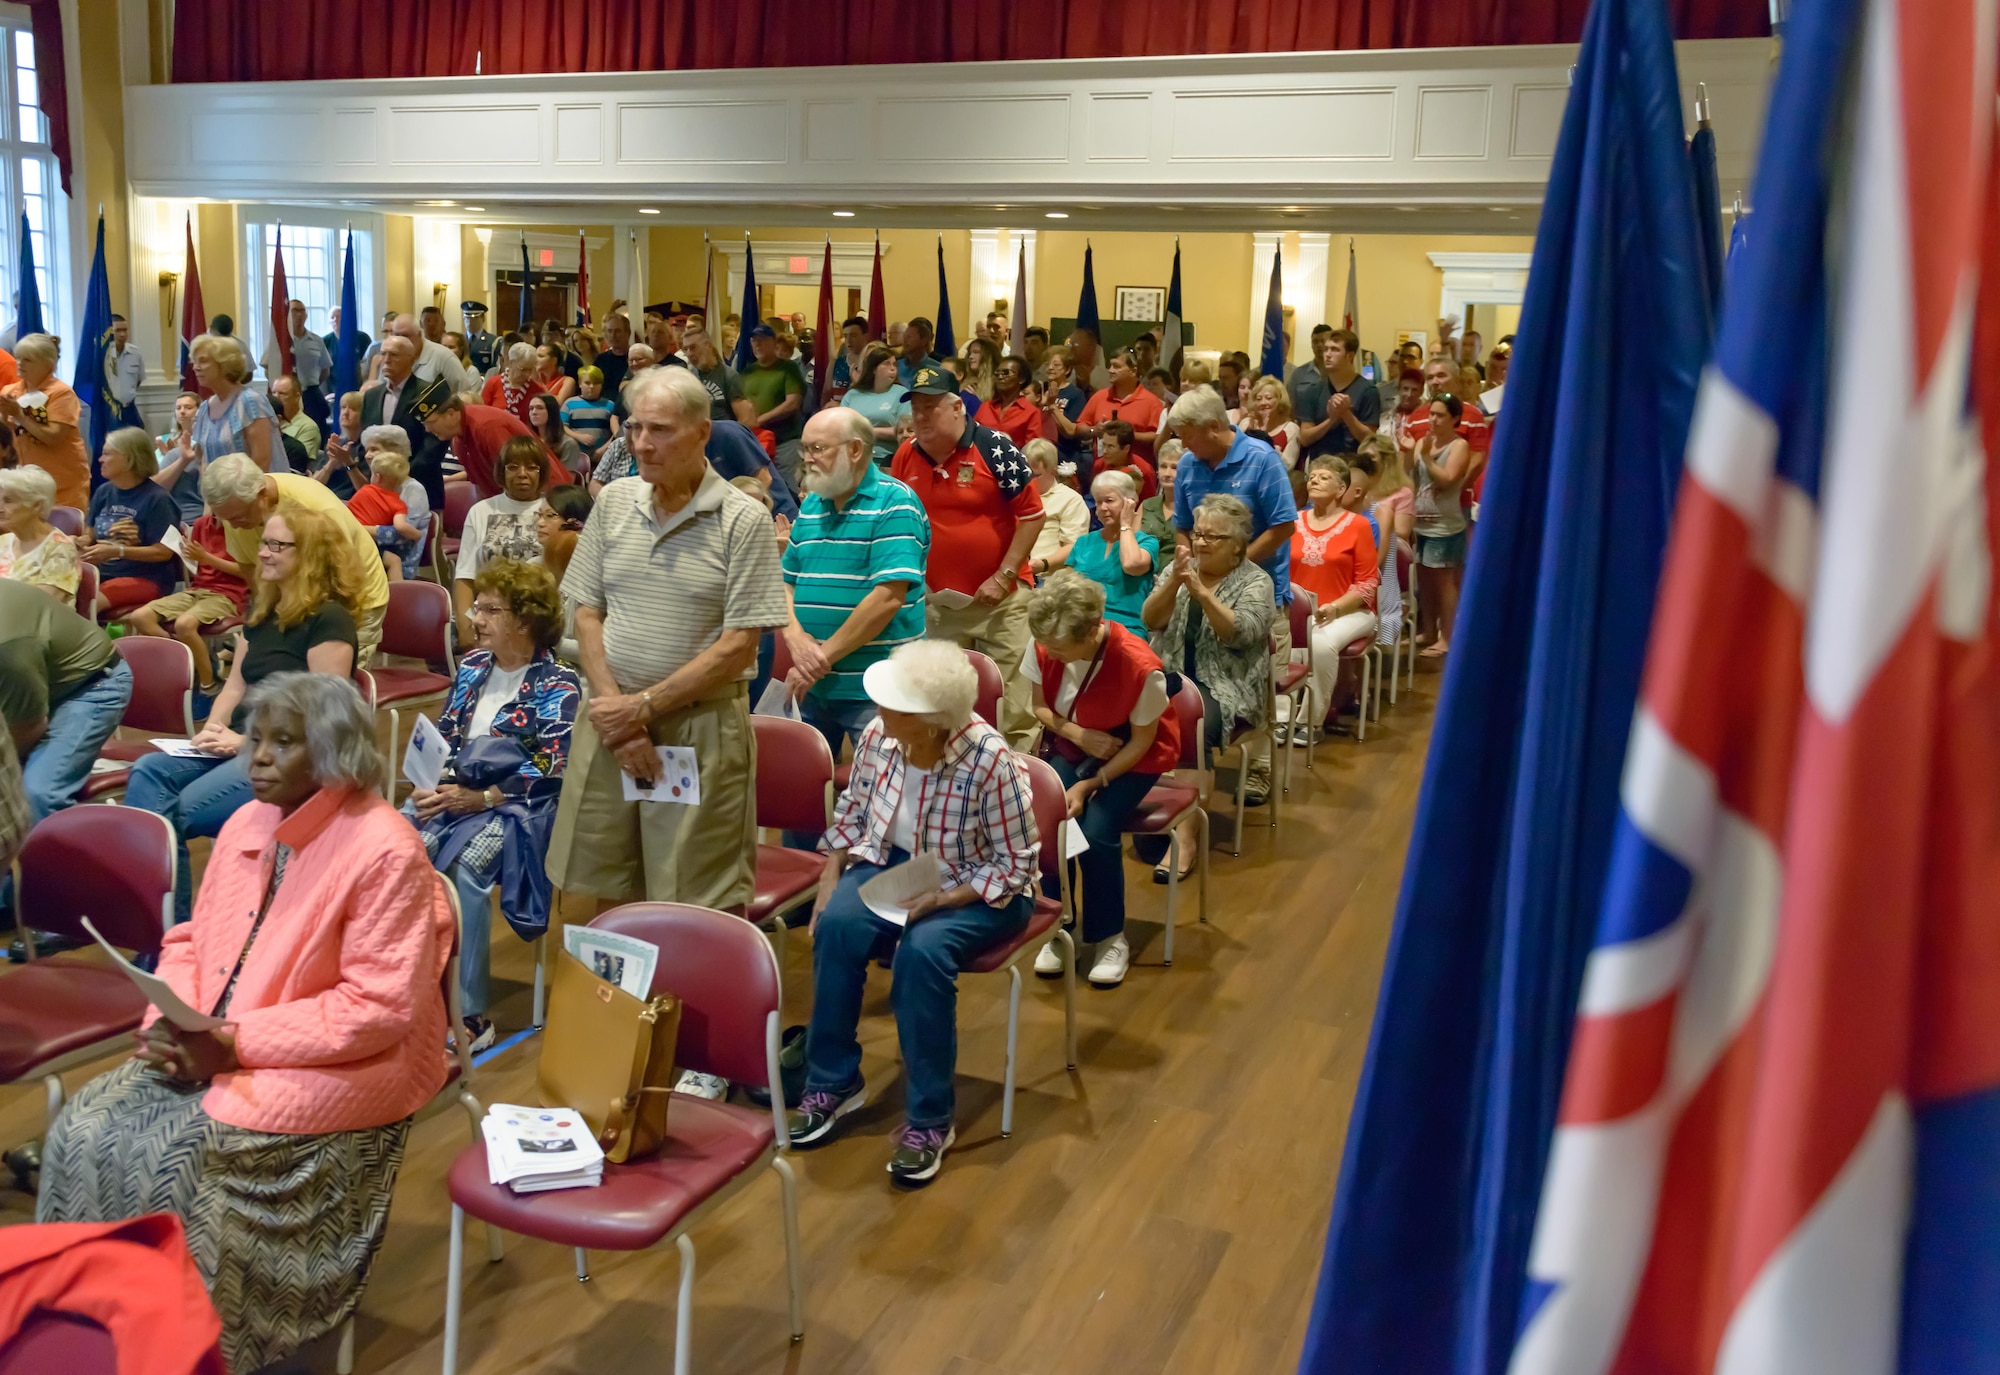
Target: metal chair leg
[1201,862]
[539,1016]
[684,1310]
[453,1299]
[1013,1035]
[343,1361]
[788,1184]
[52,1088]
[1069,994]
[582,1266]
[1173,885]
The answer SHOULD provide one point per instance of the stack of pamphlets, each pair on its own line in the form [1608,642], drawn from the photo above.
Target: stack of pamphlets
[535,1149]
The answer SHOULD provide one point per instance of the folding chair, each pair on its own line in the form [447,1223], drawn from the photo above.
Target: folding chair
[417,624]
[794,793]
[1294,681]
[726,976]
[162,704]
[86,583]
[1166,805]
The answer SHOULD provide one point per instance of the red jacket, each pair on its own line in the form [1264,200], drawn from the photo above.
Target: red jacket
[477,448]
[134,1278]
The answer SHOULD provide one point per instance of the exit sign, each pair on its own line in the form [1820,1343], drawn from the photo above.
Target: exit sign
[548,257]
[801,265]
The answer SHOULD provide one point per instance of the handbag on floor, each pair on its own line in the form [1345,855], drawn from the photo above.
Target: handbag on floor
[610,1057]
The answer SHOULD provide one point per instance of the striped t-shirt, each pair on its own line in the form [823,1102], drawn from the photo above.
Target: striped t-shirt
[837,557]
[591,420]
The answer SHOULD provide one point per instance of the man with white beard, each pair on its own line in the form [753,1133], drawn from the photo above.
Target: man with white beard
[854,571]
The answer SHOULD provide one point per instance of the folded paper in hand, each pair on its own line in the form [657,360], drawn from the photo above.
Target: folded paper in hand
[157,990]
[889,894]
[424,760]
[777,700]
[180,749]
[679,779]
[950,599]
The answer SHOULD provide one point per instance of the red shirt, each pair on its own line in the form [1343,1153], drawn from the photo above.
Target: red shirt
[1020,422]
[1141,410]
[374,505]
[477,447]
[1110,693]
[209,534]
[494,394]
[1136,468]
[974,499]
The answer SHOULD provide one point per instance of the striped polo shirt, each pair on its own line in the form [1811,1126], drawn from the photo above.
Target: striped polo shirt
[670,585]
[836,557]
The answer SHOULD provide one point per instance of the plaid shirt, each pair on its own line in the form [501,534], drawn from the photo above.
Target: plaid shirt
[974,811]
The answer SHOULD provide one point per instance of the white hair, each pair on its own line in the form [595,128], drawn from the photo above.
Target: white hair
[520,356]
[938,671]
[1199,406]
[1111,479]
[688,396]
[392,438]
[230,479]
[41,347]
[340,730]
[34,488]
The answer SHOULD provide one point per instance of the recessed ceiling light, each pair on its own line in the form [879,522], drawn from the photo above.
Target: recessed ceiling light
[843,214]
[1407,209]
[647,210]
[437,202]
[1056,215]
[477,209]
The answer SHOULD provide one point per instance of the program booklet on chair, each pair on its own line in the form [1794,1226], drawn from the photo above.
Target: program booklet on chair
[609,1055]
[533,1150]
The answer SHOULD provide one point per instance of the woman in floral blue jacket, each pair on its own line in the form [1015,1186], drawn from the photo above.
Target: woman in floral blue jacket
[507,727]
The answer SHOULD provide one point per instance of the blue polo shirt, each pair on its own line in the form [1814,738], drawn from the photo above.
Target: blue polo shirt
[1253,473]
[837,557]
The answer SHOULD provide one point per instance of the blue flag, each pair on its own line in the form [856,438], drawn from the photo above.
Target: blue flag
[87,376]
[751,315]
[347,347]
[1170,329]
[28,308]
[1271,361]
[1708,212]
[527,287]
[946,343]
[1424,1272]
[1086,304]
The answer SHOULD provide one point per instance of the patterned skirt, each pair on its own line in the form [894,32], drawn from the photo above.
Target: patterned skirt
[283,1228]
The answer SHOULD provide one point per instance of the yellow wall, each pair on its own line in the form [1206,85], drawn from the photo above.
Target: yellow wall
[1215,276]
[102,137]
[675,270]
[399,261]
[1398,286]
[216,248]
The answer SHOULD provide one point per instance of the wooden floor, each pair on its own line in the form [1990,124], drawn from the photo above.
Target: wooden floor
[1161,1209]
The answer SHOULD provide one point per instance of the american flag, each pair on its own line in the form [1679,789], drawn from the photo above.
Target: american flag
[1779,1145]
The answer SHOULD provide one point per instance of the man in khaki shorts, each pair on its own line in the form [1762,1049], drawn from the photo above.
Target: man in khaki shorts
[675,578]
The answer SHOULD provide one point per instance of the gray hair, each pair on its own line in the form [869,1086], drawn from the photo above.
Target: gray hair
[1229,511]
[135,446]
[340,730]
[41,347]
[391,437]
[1199,406]
[1041,453]
[230,479]
[1168,455]
[1068,607]
[857,427]
[688,396]
[1113,479]
[939,670]
[521,355]
[31,486]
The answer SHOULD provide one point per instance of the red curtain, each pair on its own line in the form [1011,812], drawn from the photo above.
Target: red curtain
[52,80]
[300,40]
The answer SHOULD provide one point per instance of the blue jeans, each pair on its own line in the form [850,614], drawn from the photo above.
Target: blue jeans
[195,796]
[835,721]
[59,765]
[924,994]
[475,939]
[1102,867]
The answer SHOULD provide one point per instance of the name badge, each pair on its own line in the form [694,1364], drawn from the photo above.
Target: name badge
[965,474]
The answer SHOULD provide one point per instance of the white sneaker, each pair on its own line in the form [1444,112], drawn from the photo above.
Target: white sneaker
[708,1086]
[1114,957]
[1049,963]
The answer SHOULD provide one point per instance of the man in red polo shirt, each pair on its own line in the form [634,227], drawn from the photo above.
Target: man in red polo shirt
[1125,399]
[1010,411]
[474,432]
[985,514]
[1441,379]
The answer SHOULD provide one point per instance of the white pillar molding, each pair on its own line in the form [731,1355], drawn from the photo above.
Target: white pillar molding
[1264,243]
[1480,279]
[984,278]
[1308,298]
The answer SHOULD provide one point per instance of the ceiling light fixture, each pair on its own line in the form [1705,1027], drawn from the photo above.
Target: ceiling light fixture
[477,209]
[647,210]
[843,214]
[1055,215]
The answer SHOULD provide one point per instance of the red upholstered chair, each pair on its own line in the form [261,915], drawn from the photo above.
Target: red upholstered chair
[794,793]
[418,624]
[1294,680]
[1370,655]
[459,499]
[86,586]
[1166,804]
[50,1341]
[114,865]
[986,705]
[726,977]
[1051,811]
[67,519]
[162,704]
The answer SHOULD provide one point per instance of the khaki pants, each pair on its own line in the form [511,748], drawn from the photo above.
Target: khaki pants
[368,635]
[1258,757]
[623,851]
[1001,634]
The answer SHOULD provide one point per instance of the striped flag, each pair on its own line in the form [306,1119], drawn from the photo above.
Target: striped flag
[277,358]
[582,279]
[1350,310]
[194,318]
[1271,355]
[1170,328]
[1017,330]
[1779,1143]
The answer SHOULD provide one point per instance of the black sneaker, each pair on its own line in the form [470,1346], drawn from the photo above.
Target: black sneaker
[817,1112]
[920,1155]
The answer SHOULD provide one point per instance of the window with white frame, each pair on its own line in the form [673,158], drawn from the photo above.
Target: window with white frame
[313,256]
[30,183]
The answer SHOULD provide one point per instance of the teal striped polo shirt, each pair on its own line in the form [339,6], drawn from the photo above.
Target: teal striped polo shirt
[836,557]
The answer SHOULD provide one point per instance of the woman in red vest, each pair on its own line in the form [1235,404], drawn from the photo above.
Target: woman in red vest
[1109,731]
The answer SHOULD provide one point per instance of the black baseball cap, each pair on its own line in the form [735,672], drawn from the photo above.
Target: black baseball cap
[932,380]
[760,330]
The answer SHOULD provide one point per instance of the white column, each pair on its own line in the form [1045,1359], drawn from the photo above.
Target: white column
[1308,298]
[984,280]
[1263,244]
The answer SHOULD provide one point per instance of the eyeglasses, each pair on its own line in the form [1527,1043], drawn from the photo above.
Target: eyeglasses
[822,450]
[1205,537]
[277,546]
[487,609]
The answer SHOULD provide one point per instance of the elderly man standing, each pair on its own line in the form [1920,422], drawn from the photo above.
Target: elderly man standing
[392,400]
[434,360]
[475,433]
[312,365]
[854,569]
[1220,459]
[674,579]
[241,494]
[985,513]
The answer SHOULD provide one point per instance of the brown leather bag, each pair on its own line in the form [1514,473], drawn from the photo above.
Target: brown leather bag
[610,1057]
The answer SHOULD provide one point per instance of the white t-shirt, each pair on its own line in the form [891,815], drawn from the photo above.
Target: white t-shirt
[502,687]
[903,830]
[417,503]
[498,528]
[1152,703]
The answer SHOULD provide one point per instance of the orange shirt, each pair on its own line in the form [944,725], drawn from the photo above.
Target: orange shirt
[1330,560]
[1141,410]
[65,460]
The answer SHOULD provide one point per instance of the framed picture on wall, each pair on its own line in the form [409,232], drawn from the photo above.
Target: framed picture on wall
[1148,303]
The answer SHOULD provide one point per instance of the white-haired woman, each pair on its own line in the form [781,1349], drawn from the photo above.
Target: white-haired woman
[929,777]
[1117,556]
[1066,517]
[1156,512]
[400,538]
[43,413]
[129,516]
[1109,733]
[514,385]
[31,549]
[320,939]
[234,419]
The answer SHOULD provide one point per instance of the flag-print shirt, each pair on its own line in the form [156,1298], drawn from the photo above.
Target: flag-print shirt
[974,810]
[539,718]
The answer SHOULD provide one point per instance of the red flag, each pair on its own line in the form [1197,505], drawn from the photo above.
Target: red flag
[280,351]
[878,308]
[823,330]
[194,319]
[582,280]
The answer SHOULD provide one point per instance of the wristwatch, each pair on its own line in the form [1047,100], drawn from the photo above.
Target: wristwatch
[492,796]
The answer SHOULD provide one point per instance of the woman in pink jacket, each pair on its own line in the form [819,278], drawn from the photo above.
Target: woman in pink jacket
[320,937]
